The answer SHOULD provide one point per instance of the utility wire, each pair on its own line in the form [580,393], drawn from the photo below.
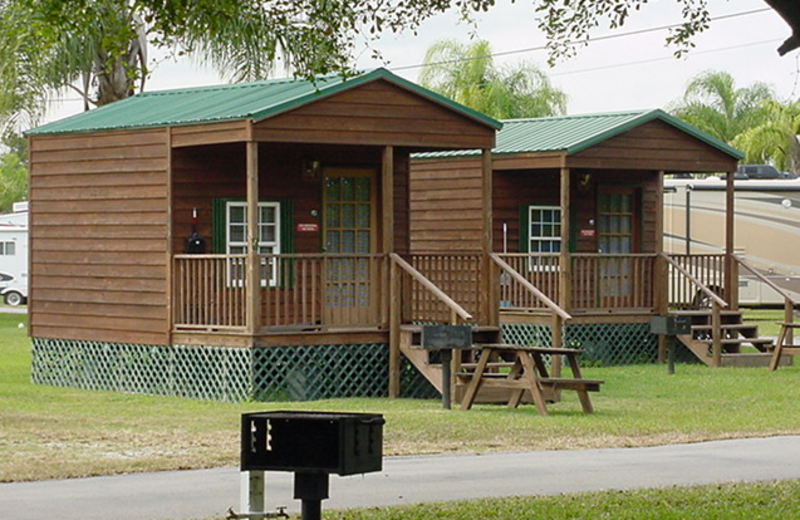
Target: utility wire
[599,38]
[663,58]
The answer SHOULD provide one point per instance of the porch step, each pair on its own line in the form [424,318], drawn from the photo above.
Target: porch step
[411,338]
[735,335]
[757,359]
[741,327]
[704,312]
[731,357]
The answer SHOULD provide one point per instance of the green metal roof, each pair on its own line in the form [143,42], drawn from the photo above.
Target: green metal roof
[234,102]
[572,134]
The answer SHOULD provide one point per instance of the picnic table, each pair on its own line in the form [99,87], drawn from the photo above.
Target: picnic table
[527,371]
[780,346]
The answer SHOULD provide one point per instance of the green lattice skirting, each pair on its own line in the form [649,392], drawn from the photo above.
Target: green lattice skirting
[604,344]
[223,374]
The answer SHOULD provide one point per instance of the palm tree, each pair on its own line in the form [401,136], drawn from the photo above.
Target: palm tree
[713,104]
[98,48]
[467,74]
[775,140]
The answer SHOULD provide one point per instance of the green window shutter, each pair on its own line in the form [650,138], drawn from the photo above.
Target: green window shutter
[524,228]
[573,232]
[287,225]
[218,225]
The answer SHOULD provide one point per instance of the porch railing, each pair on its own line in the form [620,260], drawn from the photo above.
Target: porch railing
[428,301]
[306,292]
[612,282]
[298,291]
[458,276]
[209,292]
[789,302]
[707,270]
[541,271]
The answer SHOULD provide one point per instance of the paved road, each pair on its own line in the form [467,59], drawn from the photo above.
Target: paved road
[185,495]
[13,310]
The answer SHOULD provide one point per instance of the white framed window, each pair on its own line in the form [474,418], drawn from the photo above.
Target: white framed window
[8,248]
[269,239]
[544,229]
[543,236]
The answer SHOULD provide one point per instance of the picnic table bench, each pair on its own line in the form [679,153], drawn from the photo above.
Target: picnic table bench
[527,371]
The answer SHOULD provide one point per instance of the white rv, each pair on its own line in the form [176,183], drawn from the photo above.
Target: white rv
[14,255]
[767,229]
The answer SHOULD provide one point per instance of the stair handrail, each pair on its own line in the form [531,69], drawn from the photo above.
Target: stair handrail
[770,283]
[717,304]
[431,287]
[528,286]
[700,285]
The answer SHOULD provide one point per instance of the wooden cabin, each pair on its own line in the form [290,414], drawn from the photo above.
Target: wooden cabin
[574,213]
[243,241]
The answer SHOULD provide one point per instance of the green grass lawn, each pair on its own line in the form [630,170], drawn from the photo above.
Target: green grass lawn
[54,432]
[772,500]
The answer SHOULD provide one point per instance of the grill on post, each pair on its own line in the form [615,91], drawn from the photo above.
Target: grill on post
[313,445]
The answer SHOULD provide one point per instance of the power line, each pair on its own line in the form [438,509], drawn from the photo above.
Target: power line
[599,38]
[663,58]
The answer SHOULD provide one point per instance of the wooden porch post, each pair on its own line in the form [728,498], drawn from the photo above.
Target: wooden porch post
[491,309]
[391,276]
[395,319]
[660,282]
[564,281]
[387,202]
[170,247]
[253,267]
[731,278]
[387,228]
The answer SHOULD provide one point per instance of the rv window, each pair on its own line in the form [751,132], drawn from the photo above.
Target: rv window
[8,248]
[5,277]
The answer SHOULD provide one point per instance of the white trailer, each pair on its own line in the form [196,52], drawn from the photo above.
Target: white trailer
[767,229]
[14,255]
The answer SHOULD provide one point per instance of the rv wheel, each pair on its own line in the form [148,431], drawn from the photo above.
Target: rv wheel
[703,300]
[13,298]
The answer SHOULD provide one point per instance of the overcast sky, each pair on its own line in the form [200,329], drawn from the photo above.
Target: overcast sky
[627,72]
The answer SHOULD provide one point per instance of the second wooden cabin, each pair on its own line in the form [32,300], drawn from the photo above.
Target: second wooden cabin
[572,219]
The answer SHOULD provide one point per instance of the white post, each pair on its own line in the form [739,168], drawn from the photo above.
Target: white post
[251,499]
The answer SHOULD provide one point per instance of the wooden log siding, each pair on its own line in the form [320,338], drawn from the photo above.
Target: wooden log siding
[446,211]
[98,230]
[513,188]
[654,146]
[376,113]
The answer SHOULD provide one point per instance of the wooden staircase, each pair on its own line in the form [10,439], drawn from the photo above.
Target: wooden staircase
[428,365]
[741,344]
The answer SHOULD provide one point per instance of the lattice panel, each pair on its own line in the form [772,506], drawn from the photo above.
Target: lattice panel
[323,372]
[605,344]
[526,334]
[224,374]
[210,373]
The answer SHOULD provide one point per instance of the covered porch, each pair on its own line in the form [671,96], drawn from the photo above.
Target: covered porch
[303,218]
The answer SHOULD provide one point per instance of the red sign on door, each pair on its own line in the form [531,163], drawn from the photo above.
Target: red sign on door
[307,228]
